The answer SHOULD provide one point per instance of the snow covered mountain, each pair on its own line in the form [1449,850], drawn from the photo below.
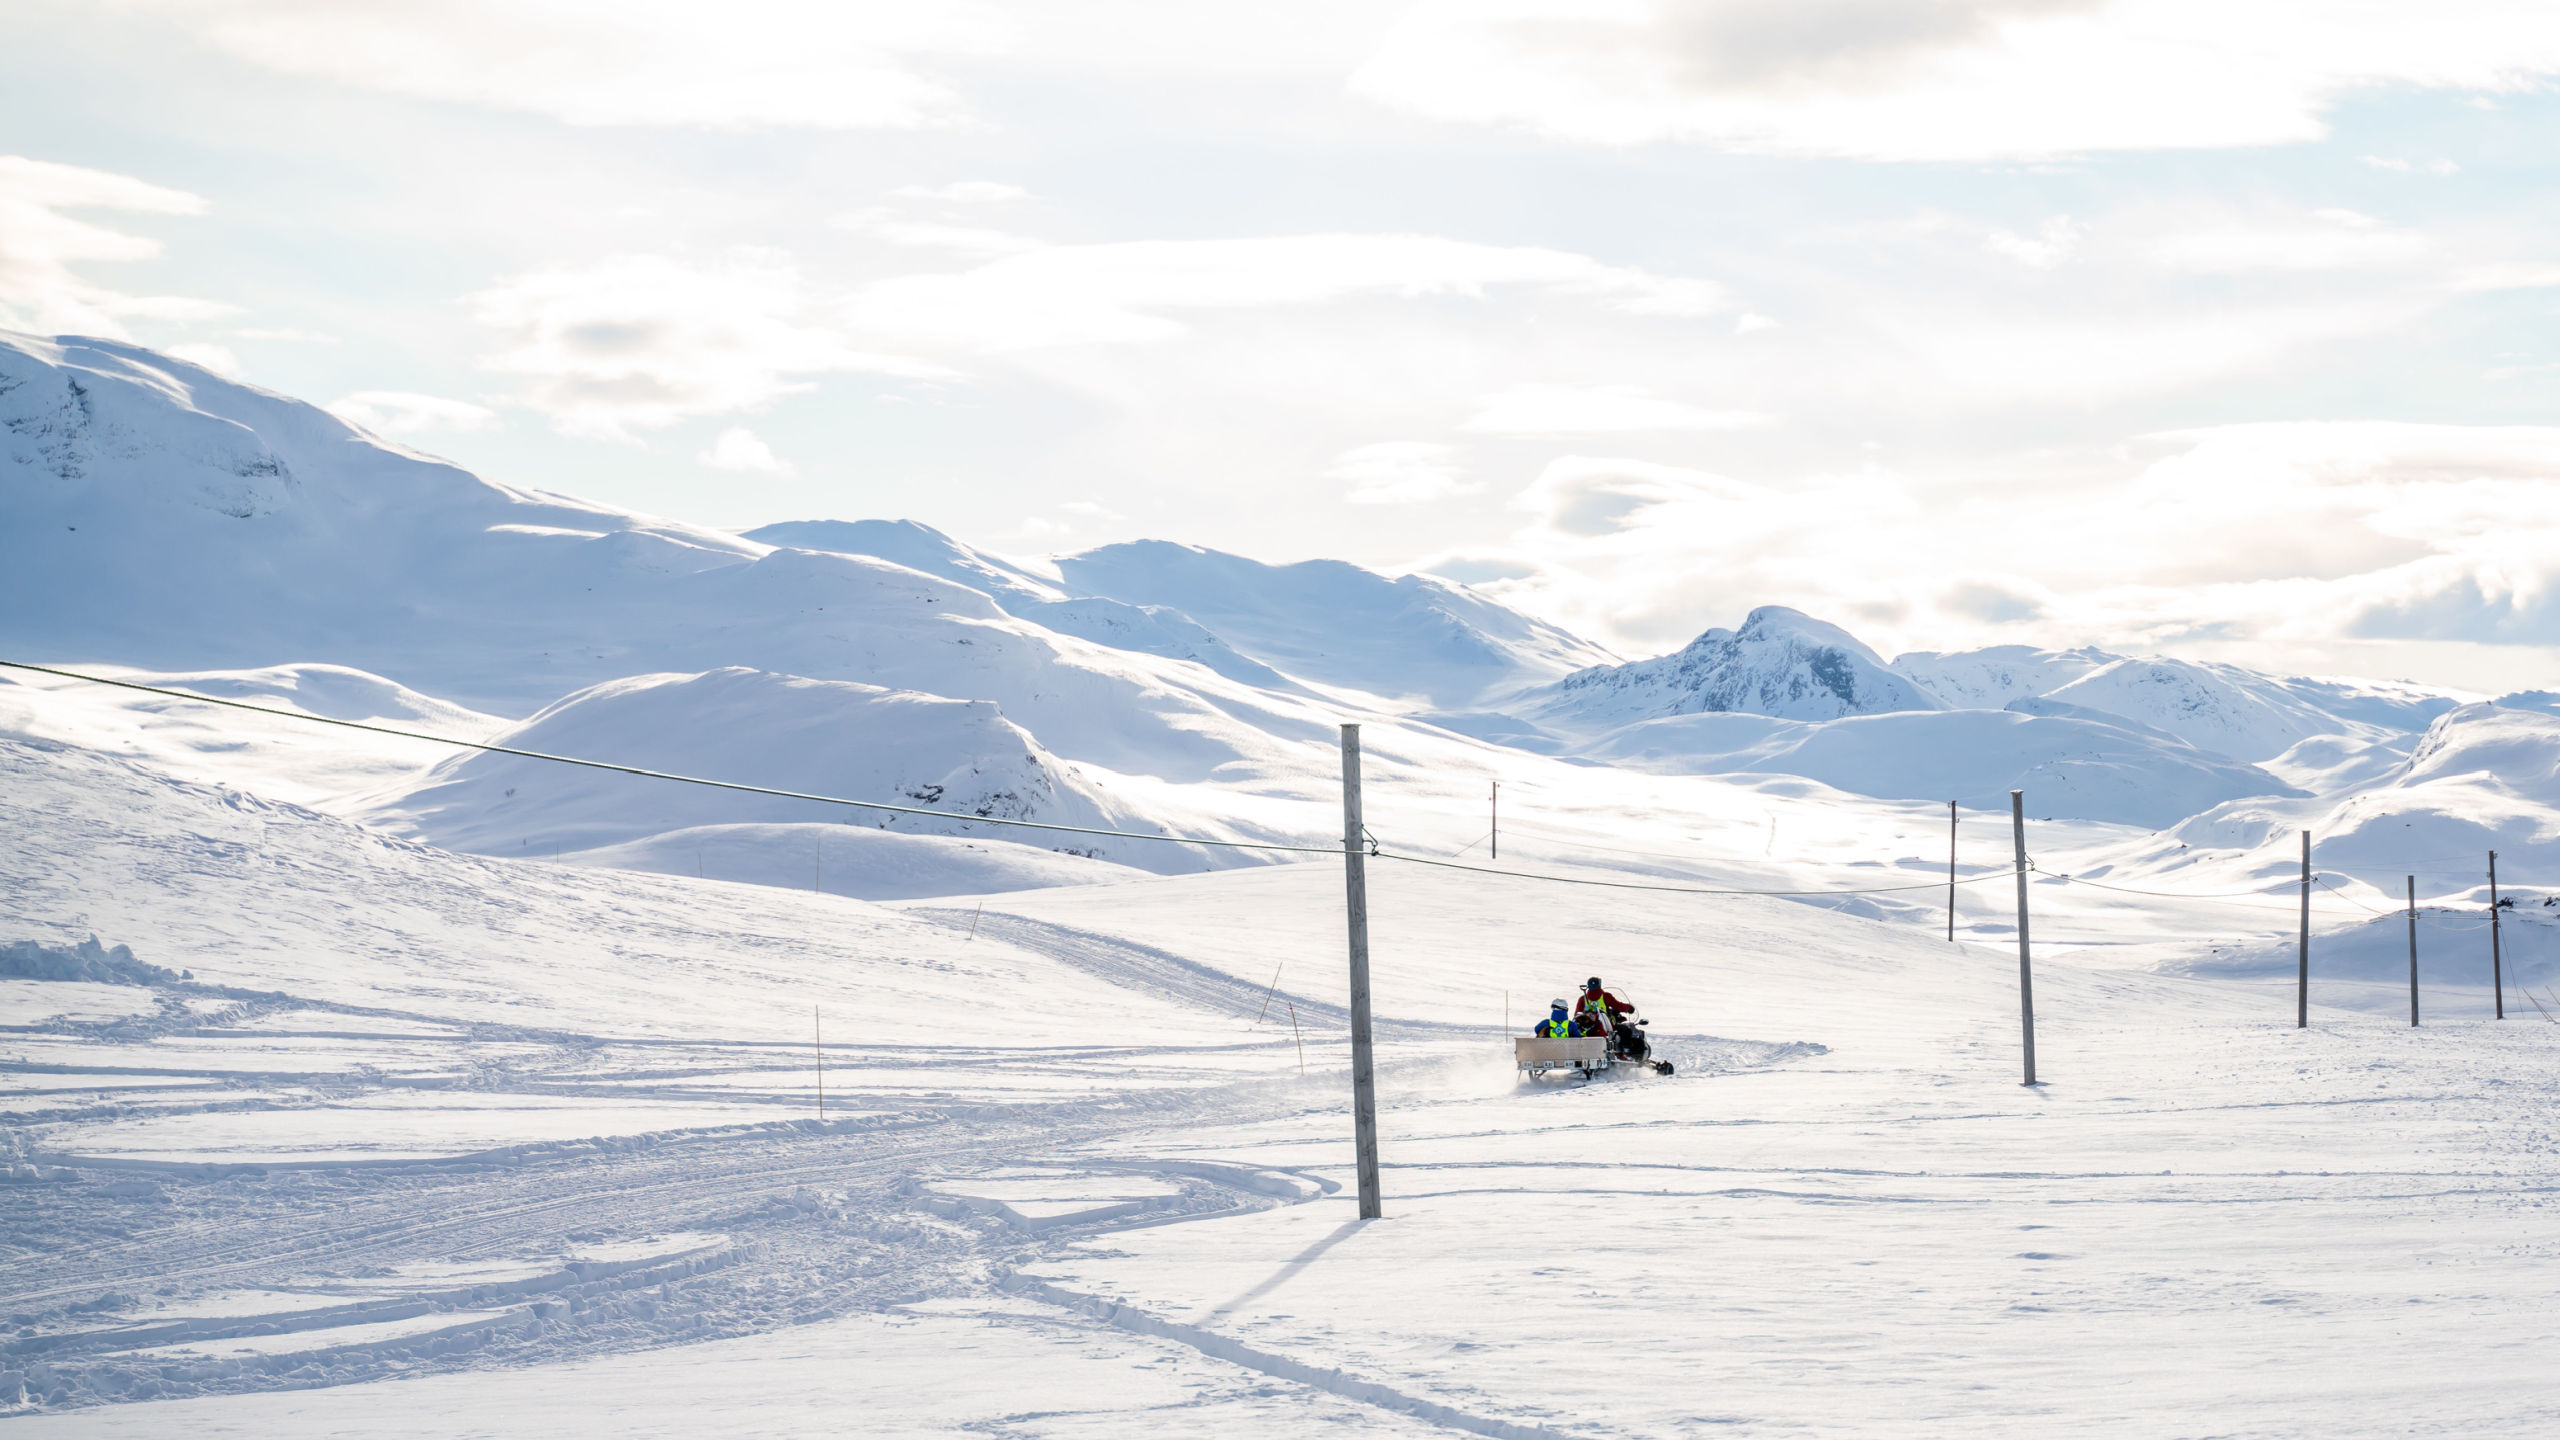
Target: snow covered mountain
[1989,679]
[2242,713]
[2083,766]
[1781,662]
[1414,637]
[160,516]
[1024,593]
[1407,637]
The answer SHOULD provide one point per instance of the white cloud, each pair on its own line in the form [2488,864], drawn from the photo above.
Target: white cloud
[1595,409]
[2329,239]
[964,192]
[406,412]
[2052,243]
[640,342]
[40,244]
[934,234]
[739,448]
[2302,539]
[851,64]
[1400,472]
[1949,80]
[1091,294]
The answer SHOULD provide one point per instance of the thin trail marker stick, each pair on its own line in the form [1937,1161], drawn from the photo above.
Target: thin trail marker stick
[1301,1039]
[2497,960]
[2413,950]
[974,916]
[818,1042]
[2026,974]
[2528,994]
[1267,994]
[2302,969]
[1951,872]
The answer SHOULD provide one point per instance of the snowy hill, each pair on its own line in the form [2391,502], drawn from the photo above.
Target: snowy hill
[1989,679]
[2235,711]
[1781,662]
[162,517]
[2075,766]
[1022,592]
[754,728]
[1409,637]
[2240,712]
[2484,777]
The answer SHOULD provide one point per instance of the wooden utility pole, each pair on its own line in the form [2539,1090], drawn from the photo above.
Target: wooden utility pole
[1497,819]
[2302,974]
[2413,950]
[1355,884]
[1951,872]
[2497,959]
[2026,973]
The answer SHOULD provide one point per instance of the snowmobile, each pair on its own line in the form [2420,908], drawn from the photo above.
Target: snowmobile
[1586,1055]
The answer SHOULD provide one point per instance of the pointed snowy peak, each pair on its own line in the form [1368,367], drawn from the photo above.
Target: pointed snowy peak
[1781,662]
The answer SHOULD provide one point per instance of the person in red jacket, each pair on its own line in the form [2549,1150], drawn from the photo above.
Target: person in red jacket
[1599,1009]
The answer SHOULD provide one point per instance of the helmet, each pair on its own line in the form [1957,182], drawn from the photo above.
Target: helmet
[1558,1004]
[1591,984]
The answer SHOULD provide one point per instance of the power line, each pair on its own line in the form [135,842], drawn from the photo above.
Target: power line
[2170,894]
[1676,889]
[666,774]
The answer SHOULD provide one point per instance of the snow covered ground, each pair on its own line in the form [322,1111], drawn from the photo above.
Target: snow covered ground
[355,1085]
[431,1144]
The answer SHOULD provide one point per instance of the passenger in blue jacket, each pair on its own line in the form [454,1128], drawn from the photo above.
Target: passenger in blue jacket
[1559,1024]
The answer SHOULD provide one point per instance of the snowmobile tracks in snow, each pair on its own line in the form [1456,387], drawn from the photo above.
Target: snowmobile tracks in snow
[1236,1352]
[1163,973]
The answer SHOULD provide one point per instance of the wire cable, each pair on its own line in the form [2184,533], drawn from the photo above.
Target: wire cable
[2343,895]
[647,774]
[1677,889]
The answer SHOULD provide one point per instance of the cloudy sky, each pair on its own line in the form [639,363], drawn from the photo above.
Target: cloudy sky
[2220,328]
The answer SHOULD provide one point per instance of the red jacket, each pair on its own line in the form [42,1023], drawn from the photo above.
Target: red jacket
[1609,1006]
